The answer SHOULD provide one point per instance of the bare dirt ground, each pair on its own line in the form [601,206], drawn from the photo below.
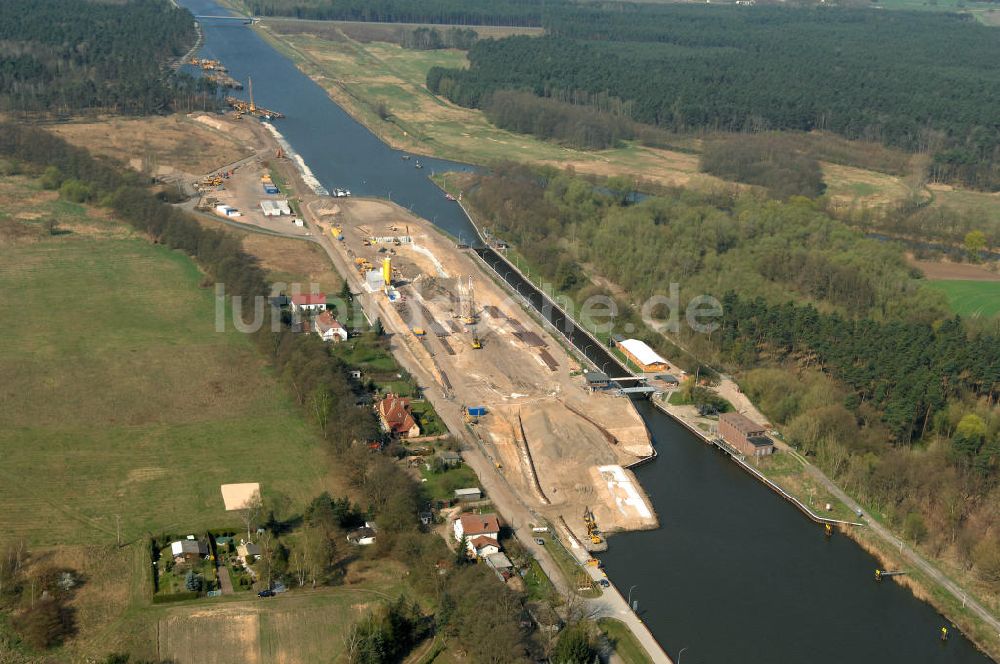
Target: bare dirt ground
[948,270]
[544,430]
[176,145]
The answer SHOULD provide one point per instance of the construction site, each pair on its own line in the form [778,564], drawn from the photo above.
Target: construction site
[562,447]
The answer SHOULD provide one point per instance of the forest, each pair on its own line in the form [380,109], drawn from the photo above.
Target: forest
[921,81]
[65,56]
[458,12]
[765,160]
[575,126]
[831,333]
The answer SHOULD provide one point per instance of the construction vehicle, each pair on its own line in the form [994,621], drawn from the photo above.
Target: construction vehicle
[469,317]
[476,343]
[592,530]
[418,332]
[251,108]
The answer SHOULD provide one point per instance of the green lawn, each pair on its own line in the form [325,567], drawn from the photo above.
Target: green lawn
[441,486]
[576,577]
[120,400]
[976,299]
[428,420]
[623,641]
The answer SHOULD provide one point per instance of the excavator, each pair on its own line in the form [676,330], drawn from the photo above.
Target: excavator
[592,530]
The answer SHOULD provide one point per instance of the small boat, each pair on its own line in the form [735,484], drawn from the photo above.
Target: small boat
[449,197]
[405,157]
[418,165]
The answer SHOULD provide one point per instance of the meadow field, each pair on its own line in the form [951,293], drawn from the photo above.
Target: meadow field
[972,299]
[123,405]
[121,400]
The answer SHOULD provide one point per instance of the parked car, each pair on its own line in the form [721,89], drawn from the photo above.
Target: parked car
[265,593]
[539,541]
[605,583]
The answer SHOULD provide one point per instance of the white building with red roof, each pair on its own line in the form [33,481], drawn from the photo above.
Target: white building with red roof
[329,328]
[311,302]
[481,533]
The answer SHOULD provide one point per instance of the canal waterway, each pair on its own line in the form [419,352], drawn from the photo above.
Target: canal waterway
[735,573]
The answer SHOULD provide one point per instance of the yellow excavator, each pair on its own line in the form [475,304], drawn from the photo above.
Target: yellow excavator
[476,343]
[592,531]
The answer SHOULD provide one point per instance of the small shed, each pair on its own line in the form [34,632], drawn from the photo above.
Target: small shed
[597,380]
[450,459]
[669,379]
[247,552]
[500,563]
[472,493]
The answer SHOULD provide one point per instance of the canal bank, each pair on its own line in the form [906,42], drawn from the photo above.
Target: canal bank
[734,573]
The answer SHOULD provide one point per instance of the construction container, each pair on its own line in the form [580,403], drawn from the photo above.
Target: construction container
[477,411]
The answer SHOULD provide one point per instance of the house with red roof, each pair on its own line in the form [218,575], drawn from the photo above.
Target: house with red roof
[309,302]
[329,328]
[394,412]
[481,533]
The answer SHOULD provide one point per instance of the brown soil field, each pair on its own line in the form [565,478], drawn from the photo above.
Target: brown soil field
[942,270]
[294,261]
[162,146]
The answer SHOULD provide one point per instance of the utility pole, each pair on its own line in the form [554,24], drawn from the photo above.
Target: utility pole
[118,529]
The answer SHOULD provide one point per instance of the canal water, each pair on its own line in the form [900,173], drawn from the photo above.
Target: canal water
[735,573]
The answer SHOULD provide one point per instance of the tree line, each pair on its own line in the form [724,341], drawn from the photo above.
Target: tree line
[916,80]
[459,12]
[576,126]
[429,39]
[764,160]
[830,333]
[64,57]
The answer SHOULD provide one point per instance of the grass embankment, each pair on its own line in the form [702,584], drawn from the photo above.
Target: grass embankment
[971,299]
[623,641]
[572,571]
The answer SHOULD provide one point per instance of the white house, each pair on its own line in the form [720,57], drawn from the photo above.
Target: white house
[482,532]
[363,536]
[483,546]
[311,302]
[329,328]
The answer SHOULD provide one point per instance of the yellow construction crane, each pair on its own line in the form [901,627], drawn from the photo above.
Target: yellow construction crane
[470,316]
